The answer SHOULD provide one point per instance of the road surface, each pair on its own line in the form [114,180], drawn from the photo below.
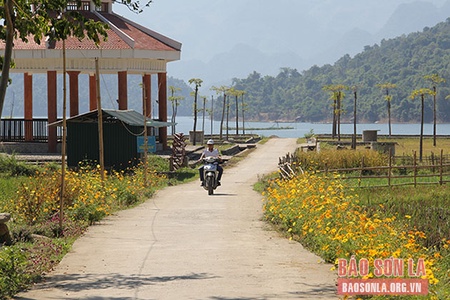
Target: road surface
[184,244]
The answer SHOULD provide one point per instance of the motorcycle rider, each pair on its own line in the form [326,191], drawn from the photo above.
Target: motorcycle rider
[208,152]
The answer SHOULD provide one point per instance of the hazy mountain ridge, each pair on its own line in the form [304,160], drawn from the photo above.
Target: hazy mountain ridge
[323,47]
[403,61]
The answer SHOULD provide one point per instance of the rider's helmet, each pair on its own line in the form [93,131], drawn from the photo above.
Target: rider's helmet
[210,142]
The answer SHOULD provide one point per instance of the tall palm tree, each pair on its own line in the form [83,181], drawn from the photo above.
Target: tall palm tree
[198,83]
[435,80]
[355,97]
[236,93]
[175,103]
[386,87]
[337,94]
[243,109]
[203,112]
[422,93]
[222,90]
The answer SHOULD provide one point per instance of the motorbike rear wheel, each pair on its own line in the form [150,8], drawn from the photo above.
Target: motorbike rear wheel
[209,185]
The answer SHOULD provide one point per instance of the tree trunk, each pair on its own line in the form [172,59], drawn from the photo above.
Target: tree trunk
[434,117]
[212,114]
[421,129]
[339,116]
[354,123]
[173,117]
[389,111]
[389,117]
[204,111]
[243,116]
[228,117]
[333,131]
[9,44]
[237,117]
[195,115]
[223,116]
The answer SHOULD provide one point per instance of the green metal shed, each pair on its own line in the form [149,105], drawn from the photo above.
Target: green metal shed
[121,129]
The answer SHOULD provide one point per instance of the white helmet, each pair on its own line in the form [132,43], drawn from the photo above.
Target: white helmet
[210,142]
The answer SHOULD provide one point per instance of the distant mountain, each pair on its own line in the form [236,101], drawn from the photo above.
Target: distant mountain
[350,42]
[316,42]
[235,64]
[403,61]
[411,17]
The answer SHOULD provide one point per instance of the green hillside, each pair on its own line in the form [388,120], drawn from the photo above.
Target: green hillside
[403,61]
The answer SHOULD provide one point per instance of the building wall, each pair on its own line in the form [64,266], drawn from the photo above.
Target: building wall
[120,146]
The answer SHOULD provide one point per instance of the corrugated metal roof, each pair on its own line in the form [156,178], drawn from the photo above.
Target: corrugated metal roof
[129,117]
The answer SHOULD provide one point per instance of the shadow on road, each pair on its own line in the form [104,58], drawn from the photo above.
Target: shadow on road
[83,282]
[224,194]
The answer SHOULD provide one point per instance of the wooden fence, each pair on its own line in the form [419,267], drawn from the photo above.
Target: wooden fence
[288,166]
[416,173]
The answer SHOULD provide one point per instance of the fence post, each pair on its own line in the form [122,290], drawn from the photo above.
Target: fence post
[415,168]
[433,161]
[390,167]
[441,168]
[361,172]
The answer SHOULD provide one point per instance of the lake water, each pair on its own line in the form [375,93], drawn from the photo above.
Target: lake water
[185,124]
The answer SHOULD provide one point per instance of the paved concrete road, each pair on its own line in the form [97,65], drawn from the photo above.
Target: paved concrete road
[184,244]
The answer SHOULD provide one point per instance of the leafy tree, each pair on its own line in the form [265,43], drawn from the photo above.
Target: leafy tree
[422,93]
[435,79]
[198,83]
[386,87]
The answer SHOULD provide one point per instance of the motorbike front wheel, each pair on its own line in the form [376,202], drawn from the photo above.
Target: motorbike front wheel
[209,185]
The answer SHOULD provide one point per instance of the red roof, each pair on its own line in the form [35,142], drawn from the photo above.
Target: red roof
[144,39]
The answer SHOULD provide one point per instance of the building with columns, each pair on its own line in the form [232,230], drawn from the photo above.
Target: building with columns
[130,49]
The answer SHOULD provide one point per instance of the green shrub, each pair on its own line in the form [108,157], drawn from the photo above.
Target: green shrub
[10,165]
[13,271]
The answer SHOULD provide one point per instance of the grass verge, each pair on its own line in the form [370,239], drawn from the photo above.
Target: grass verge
[38,240]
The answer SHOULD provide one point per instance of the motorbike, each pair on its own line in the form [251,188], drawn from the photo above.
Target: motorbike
[210,173]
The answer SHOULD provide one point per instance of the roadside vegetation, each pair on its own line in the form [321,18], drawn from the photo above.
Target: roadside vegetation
[330,218]
[31,195]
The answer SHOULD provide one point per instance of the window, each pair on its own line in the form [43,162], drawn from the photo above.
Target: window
[85,5]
